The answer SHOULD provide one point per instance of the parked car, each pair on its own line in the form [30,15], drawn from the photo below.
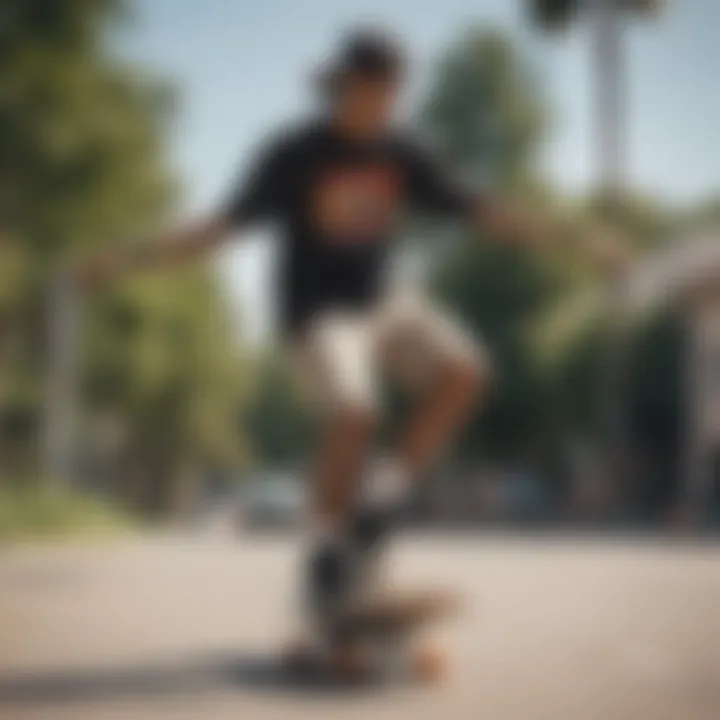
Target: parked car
[272,501]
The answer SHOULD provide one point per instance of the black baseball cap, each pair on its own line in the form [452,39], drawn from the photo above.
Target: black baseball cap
[371,53]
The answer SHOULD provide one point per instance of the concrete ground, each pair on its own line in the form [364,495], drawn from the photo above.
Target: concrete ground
[186,628]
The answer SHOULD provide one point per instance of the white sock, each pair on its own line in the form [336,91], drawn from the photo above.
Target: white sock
[386,485]
[323,532]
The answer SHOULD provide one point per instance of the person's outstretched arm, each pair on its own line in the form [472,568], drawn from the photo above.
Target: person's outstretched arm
[179,245]
[261,196]
[438,191]
[602,244]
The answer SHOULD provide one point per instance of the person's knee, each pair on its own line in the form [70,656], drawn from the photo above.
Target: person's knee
[471,377]
[360,417]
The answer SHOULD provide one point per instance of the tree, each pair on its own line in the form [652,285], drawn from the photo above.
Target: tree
[84,164]
[160,360]
[486,112]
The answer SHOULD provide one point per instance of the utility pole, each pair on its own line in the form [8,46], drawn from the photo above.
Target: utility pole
[610,99]
[608,18]
[58,431]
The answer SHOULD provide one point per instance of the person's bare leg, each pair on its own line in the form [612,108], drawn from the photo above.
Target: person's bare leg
[452,398]
[342,456]
[455,395]
[335,485]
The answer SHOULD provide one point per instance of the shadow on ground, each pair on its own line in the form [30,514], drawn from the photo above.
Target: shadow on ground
[221,671]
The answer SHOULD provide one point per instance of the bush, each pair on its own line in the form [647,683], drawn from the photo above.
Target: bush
[34,511]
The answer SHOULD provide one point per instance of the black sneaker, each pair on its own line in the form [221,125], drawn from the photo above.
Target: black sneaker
[330,578]
[370,529]
[370,534]
[348,571]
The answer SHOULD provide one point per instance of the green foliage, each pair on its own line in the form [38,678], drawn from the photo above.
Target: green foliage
[645,221]
[84,165]
[655,406]
[160,355]
[499,291]
[702,217]
[30,510]
[486,111]
[278,422]
[81,131]
[544,316]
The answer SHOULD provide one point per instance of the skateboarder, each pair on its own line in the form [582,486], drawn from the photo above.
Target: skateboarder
[337,185]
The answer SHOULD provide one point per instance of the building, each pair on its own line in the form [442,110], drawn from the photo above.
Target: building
[688,274]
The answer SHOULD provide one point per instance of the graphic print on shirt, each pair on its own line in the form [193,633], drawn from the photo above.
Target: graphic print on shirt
[357,205]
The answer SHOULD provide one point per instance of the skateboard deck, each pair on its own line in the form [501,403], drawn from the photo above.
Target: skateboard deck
[379,641]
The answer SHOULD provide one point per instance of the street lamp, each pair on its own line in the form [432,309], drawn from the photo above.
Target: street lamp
[607,16]
[557,14]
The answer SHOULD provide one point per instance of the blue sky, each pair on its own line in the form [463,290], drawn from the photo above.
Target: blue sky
[241,67]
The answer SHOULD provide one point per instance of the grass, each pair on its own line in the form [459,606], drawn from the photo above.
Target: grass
[33,511]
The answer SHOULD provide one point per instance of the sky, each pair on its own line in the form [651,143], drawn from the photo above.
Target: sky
[242,68]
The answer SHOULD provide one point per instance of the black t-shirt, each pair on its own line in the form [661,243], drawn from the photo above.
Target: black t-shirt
[338,203]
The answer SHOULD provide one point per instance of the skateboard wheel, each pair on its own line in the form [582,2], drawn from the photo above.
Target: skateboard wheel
[429,664]
[298,657]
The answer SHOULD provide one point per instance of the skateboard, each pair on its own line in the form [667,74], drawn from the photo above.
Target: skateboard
[379,641]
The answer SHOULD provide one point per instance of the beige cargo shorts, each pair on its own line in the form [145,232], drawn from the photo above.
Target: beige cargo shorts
[343,356]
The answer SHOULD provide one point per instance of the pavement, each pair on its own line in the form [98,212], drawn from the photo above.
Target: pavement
[179,627]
